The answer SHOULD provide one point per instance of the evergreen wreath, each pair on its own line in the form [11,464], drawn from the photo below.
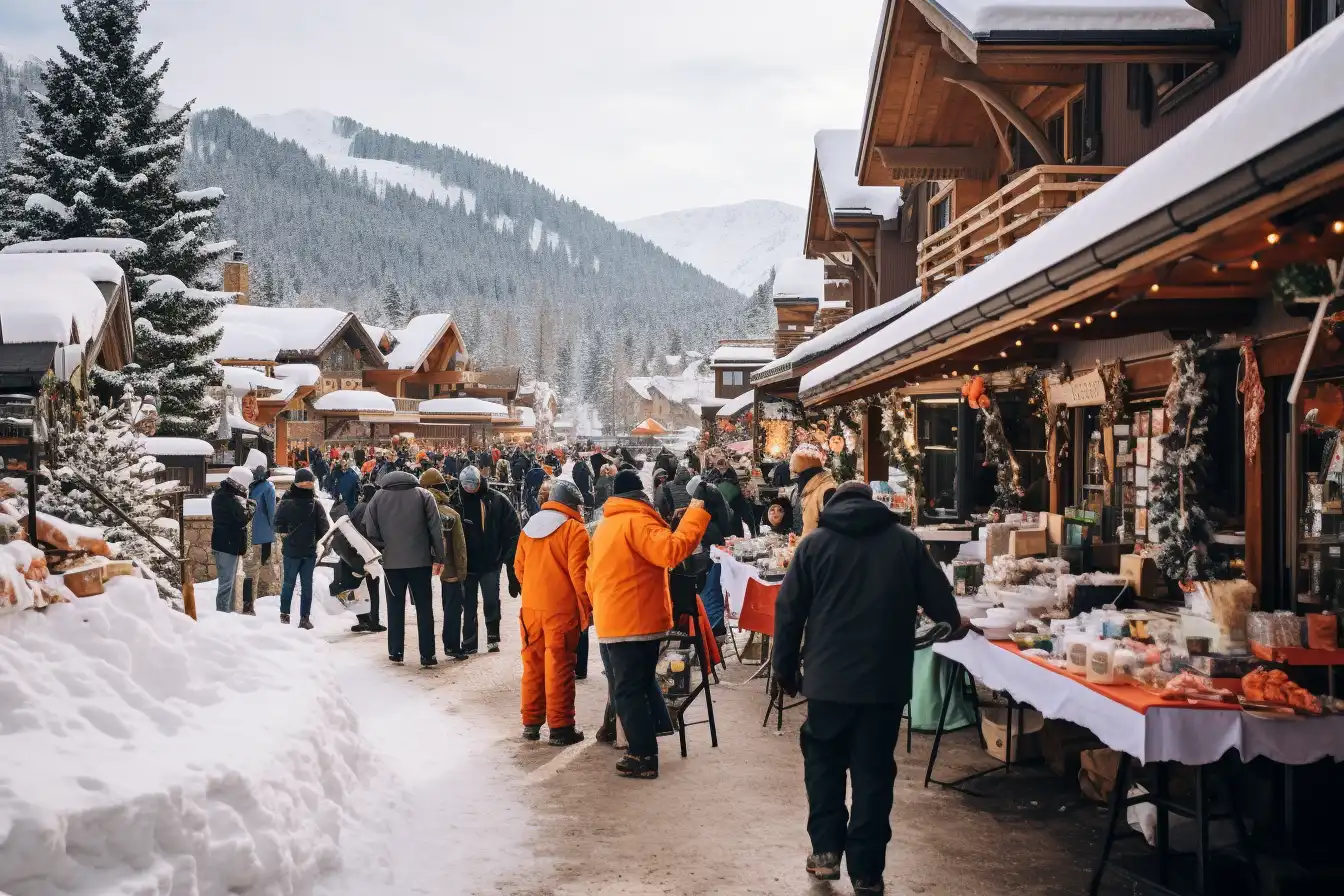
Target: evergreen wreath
[1180,475]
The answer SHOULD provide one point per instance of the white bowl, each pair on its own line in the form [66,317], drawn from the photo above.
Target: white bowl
[1005,615]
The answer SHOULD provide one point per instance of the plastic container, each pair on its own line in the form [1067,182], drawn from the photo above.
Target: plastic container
[1075,652]
[1101,662]
[1126,661]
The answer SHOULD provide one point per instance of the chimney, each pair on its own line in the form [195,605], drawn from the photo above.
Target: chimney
[235,277]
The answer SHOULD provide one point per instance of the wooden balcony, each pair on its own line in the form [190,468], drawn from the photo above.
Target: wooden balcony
[407,405]
[1024,205]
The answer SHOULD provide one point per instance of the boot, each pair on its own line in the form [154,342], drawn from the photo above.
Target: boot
[824,866]
[492,647]
[396,658]
[606,734]
[284,619]
[565,735]
[531,732]
[867,887]
[427,661]
[638,767]
[305,622]
[248,600]
[374,626]
[360,626]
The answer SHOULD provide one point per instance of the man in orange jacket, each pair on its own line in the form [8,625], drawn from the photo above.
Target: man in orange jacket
[552,565]
[633,549]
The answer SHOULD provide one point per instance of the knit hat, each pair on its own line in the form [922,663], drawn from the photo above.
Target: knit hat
[470,477]
[627,482]
[805,457]
[303,478]
[367,491]
[242,477]
[432,478]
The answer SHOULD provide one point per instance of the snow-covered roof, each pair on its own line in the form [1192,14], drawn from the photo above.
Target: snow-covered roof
[742,354]
[527,388]
[237,422]
[527,418]
[96,266]
[167,446]
[801,278]
[376,332]
[302,374]
[355,400]
[166,284]
[416,339]
[98,244]
[243,380]
[255,333]
[979,17]
[1250,122]
[475,406]
[739,404]
[837,155]
[846,331]
[641,386]
[42,299]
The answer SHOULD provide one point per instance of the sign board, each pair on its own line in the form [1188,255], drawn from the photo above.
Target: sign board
[251,410]
[1085,390]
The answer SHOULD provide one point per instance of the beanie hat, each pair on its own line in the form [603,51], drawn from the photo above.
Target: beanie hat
[627,482]
[432,478]
[854,487]
[242,477]
[470,477]
[367,491]
[567,493]
[805,457]
[303,478]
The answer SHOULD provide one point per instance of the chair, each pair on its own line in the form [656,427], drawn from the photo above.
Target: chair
[758,617]
[683,585]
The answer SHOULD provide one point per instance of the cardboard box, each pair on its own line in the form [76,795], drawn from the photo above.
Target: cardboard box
[1027,542]
[1054,528]
[1142,574]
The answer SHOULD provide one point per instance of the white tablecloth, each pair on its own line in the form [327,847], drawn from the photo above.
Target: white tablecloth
[1177,734]
[733,580]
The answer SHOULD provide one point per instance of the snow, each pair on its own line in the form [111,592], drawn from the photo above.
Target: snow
[46,203]
[641,386]
[837,158]
[253,333]
[169,446]
[739,404]
[847,330]
[206,195]
[742,354]
[166,284]
[238,423]
[982,16]
[801,278]
[105,244]
[197,507]
[735,244]
[48,306]
[148,753]
[527,418]
[1252,121]
[96,266]
[477,406]
[302,374]
[355,400]
[243,380]
[416,340]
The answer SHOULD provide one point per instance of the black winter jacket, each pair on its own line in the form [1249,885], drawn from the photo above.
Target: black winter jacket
[855,586]
[302,522]
[583,478]
[491,527]
[230,510]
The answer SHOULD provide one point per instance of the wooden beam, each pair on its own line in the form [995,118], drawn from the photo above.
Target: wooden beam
[1004,76]
[863,259]
[1016,117]
[998,133]
[1044,54]
[905,134]
[827,247]
[938,162]
[949,29]
[952,50]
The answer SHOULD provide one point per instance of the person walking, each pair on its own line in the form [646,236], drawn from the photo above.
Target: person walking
[454,569]
[302,522]
[232,511]
[632,551]
[367,622]
[259,574]
[853,592]
[604,486]
[583,478]
[491,527]
[552,565]
[532,485]
[403,520]
[345,484]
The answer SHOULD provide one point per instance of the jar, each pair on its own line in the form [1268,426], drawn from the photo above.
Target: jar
[1101,662]
[1126,661]
[1287,629]
[1075,652]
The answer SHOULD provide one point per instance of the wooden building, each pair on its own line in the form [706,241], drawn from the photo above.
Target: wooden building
[735,360]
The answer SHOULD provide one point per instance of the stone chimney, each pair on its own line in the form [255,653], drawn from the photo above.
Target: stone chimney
[235,277]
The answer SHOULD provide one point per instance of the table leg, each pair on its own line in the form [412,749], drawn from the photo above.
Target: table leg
[1118,799]
[1202,820]
[1008,744]
[938,734]
[1163,822]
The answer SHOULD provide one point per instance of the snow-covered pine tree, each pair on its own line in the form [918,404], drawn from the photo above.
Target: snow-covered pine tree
[1180,474]
[100,446]
[396,310]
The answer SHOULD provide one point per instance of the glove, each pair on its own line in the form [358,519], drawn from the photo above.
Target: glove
[515,587]
[790,682]
[701,491]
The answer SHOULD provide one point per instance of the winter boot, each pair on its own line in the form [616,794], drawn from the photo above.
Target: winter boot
[531,732]
[824,866]
[305,622]
[606,734]
[375,627]
[248,599]
[284,619]
[395,657]
[867,887]
[565,736]
[360,627]
[492,647]
[427,661]
[637,767]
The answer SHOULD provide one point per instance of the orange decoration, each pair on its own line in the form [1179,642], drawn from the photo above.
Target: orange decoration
[974,392]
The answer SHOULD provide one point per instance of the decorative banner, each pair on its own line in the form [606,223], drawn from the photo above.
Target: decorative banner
[1085,390]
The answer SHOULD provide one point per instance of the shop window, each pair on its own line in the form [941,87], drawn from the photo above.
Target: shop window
[1026,435]
[1314,15]
[940,214]
[1319,460]
[936,424]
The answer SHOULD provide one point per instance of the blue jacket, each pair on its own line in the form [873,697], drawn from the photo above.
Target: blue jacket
[263,522]
[345,485]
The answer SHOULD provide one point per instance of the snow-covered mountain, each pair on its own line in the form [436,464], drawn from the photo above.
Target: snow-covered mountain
[735,244]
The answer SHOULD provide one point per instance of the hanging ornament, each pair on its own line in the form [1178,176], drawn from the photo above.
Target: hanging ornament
[1252,393]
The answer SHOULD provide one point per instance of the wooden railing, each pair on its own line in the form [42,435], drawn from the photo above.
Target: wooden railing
[1024,205]
[407,405]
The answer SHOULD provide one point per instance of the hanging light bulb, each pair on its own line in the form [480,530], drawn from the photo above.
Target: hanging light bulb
[1155,287]
[1272,238]
[975,366]
[1077,325]
[1055,327]
[1087,319]
[1003,354]
[1114,314]
[1255,263]
[1018,343]
[1337,227]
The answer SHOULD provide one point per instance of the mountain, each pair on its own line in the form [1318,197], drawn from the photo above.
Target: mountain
[734,244]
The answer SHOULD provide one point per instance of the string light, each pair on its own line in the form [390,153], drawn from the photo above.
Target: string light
[1217,267]
[1077,325]
[1055,327]
[1018,343]
[1272,238]
[975,366]
[1337,227]
[1155,287]
[1255,263]
[1087,319]
[1005,354]
[954,373]
[1031,323]
[1114,314]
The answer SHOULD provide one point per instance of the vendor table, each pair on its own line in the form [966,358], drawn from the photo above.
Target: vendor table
[1151,730]
[734,577]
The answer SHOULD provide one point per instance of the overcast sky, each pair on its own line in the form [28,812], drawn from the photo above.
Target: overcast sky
[632,107]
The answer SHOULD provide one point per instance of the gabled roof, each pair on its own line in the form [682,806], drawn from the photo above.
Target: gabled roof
[256,333]
[838,337]
[416,340]
[738,354]
[739,404]
[836,160]
[55,298]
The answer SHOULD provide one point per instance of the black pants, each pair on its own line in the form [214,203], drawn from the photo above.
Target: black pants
[581,656]
[860,739]
[487,585]
[452,593]
[417,579]
[375,592]
[632,665]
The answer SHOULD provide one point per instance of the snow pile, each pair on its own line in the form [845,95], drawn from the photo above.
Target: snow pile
[302,374]
[169,446]
[355,400]
[982,16]
[147,753]
[837,156]
[110,245]
[414,342]
[801,278]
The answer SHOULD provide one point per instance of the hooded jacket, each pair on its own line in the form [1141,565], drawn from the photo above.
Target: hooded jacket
[404,521]
[814,486]
[262,494]
[583,478]
[552,564]
[345,486]
[855,587]
[454,539]
[673,495]
[627,573]
[491,528]
[228,535]
[302,522]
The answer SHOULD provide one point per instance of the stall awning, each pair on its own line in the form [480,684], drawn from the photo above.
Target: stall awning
[739,404]
[1251,144]
[649,427]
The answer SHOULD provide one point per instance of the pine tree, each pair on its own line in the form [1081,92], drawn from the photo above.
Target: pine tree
[1180,476]
[100,162]
[564,362]
[396,310]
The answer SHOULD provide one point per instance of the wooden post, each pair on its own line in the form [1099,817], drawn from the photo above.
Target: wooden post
[876,466]
[188,591]
[1255,523]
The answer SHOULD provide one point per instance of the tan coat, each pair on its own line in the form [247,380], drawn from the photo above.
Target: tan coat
[813,495]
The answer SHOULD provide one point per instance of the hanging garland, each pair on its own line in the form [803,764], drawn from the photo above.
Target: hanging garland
[843,426]
[897,414]
[1252,393]
[1055,417]
[1179,476]
[1115,382]
[1008,480]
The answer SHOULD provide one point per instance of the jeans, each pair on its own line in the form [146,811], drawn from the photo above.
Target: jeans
[227,564]
[858,738]
[487,583]
[632,665]
[452,595]
[300,568]
[417,580]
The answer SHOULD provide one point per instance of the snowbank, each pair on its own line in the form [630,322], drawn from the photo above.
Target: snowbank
[475,406]
[355,400]
[147,753]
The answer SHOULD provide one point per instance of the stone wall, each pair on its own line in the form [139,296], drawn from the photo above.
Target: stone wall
[197,529]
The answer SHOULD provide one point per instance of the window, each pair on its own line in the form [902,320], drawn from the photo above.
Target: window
[1316,14]
[734,378]
[940,214]
[1054,134]
[1074,144]
[1173,84]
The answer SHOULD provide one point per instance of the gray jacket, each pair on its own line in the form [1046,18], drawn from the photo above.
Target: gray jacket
[404,520]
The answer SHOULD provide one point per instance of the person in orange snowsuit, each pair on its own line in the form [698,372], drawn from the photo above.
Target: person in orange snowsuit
[552,565]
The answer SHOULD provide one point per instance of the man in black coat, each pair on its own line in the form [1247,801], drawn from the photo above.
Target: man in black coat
[491,527]
[596,461]
[855,587]
[232,511]
[583,478]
